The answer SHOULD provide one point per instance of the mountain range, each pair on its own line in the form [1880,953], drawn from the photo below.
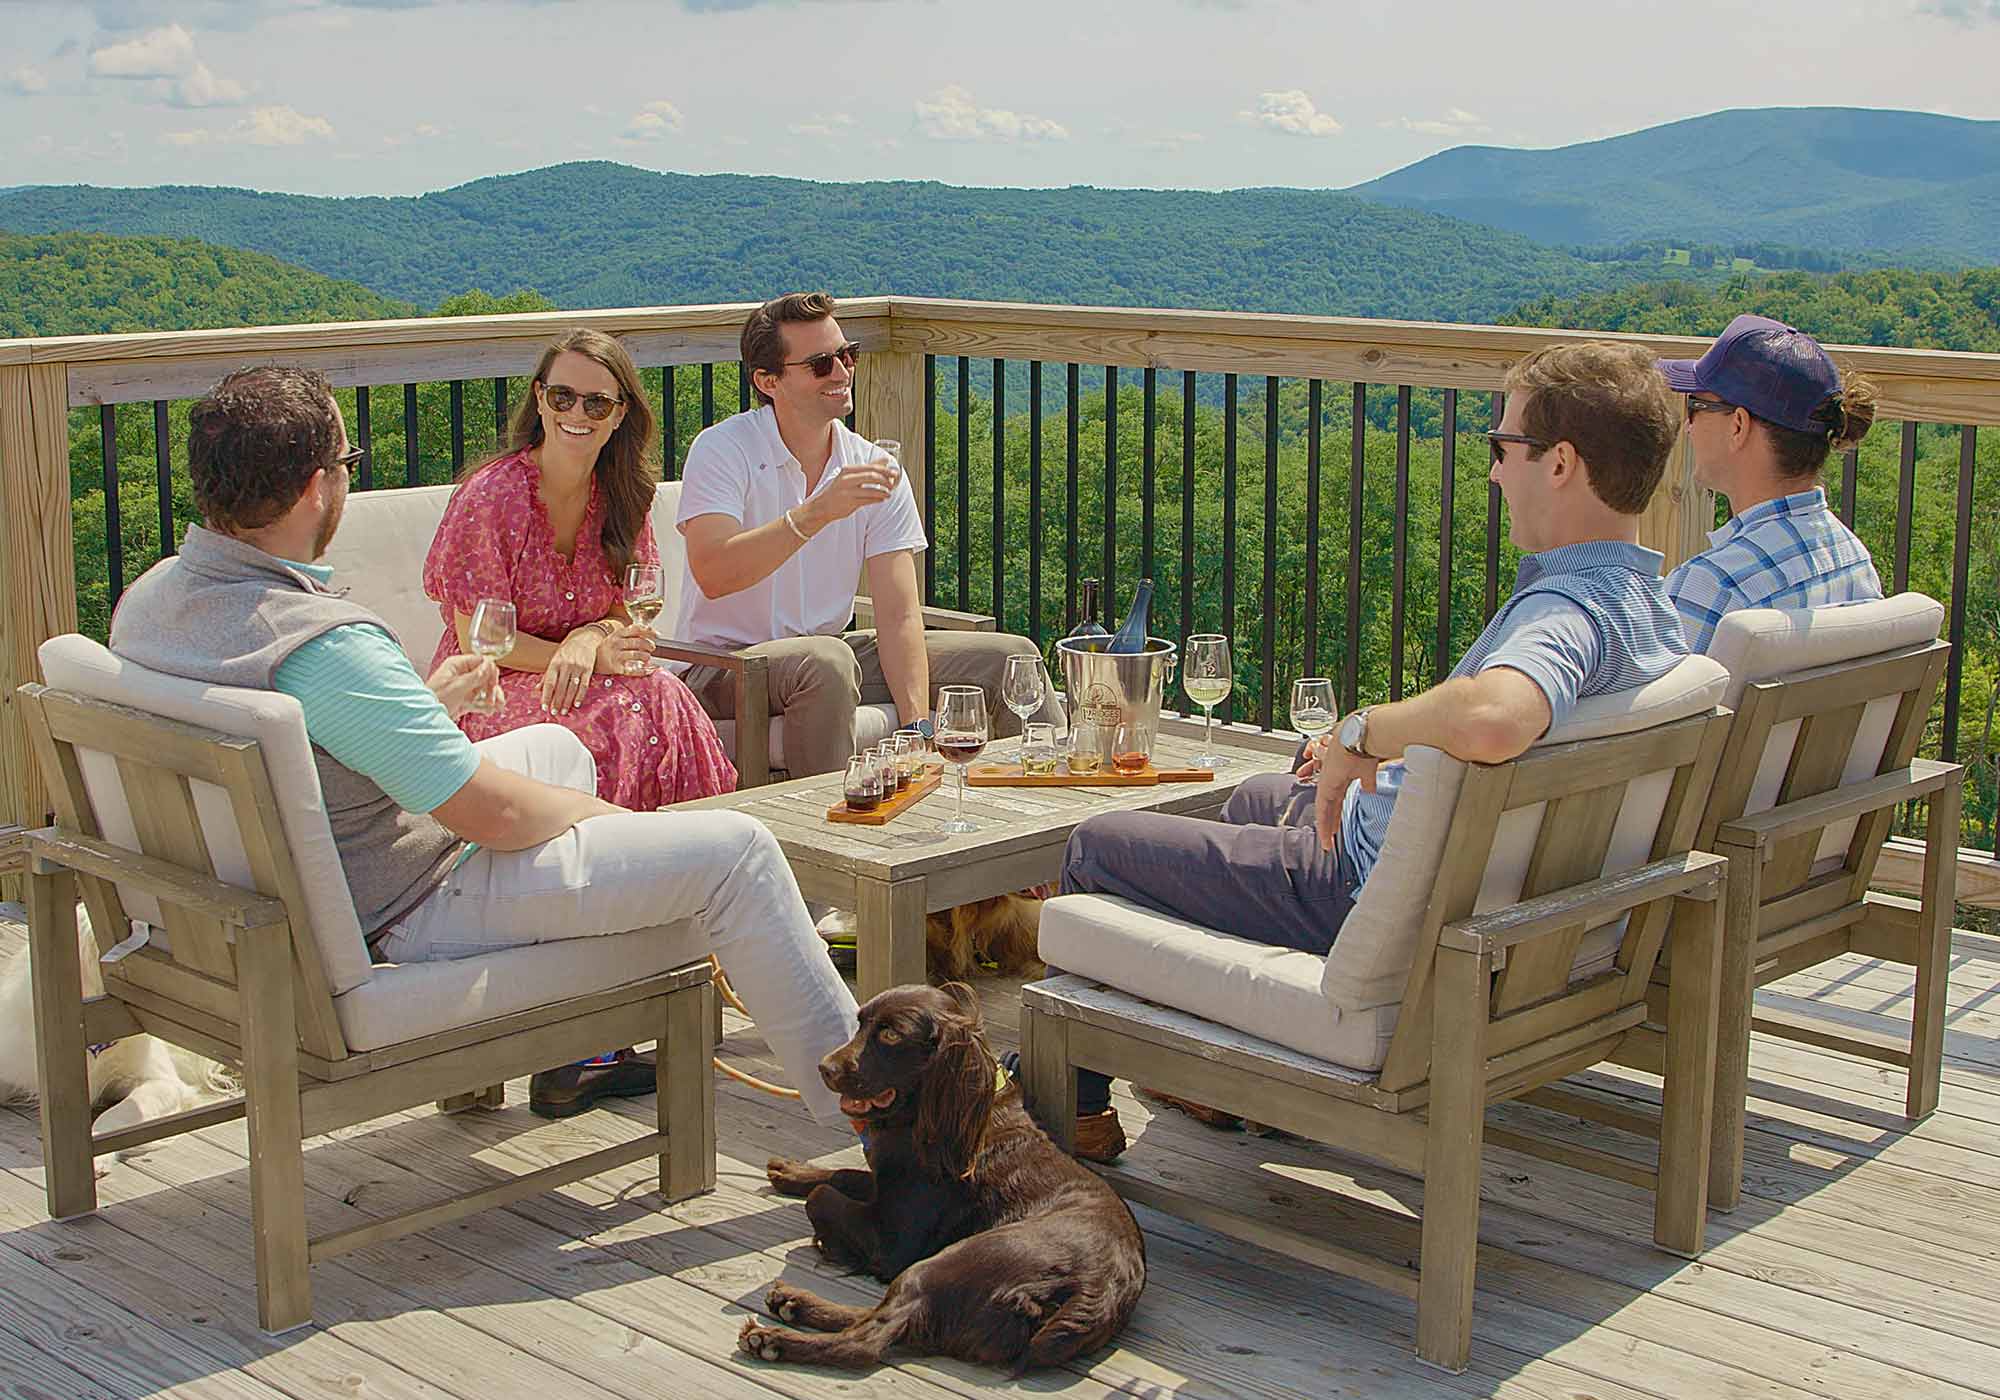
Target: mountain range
[1909,186]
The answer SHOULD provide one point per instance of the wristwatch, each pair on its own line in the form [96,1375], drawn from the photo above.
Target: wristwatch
[1353,734]
[921,727]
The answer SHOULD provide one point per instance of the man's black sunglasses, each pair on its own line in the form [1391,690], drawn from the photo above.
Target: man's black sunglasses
[1498,441]
[1696,405]
[822,365]
[350,457]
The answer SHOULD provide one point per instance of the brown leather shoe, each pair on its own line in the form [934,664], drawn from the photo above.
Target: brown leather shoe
[1201,1113]
[565,1092]
[1100,1137]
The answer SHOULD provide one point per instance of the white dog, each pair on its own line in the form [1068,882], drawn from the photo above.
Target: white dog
[133,1080]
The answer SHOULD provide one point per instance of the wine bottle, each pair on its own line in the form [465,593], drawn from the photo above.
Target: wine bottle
[1087,624]
[1131,635]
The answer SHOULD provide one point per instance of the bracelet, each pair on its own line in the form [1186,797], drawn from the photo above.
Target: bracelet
[803,536]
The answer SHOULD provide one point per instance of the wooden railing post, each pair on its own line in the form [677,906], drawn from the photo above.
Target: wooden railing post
[1682,512]
[37,564]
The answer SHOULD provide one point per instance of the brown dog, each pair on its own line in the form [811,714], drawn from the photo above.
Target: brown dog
[996,1246]
[1000,932]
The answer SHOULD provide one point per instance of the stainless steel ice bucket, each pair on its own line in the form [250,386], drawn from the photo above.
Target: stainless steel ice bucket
[1110,690]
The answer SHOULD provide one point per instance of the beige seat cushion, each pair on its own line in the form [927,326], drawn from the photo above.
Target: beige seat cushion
[404,1001]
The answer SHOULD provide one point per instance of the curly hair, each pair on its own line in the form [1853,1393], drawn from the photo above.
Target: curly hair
[254,442]
[1611,403]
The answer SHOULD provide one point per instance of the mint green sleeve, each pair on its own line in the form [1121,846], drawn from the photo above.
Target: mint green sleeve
[366,705]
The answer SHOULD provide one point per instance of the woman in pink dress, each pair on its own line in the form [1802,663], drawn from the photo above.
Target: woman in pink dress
[551,526]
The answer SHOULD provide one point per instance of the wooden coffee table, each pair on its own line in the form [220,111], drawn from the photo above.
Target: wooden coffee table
[891,876]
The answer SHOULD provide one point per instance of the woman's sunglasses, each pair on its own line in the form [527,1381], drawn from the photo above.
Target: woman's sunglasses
[596,407]
[1498,441]
[822,365]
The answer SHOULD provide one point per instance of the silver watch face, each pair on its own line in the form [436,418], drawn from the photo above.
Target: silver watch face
[1351,730]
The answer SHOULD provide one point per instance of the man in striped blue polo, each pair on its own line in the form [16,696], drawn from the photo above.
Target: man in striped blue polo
[1577,456]
[1765,406]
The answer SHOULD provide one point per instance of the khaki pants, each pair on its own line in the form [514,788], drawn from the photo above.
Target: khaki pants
[816,683]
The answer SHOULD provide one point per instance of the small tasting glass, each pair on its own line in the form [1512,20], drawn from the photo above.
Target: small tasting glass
[1086,748]
[863,788]
[1038,749]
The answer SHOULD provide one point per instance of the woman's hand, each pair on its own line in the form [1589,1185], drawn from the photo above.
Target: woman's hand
[465,683]
[627,652]
[568,673]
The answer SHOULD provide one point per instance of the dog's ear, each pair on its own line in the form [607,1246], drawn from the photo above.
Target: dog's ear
[956,1098]
[965,999]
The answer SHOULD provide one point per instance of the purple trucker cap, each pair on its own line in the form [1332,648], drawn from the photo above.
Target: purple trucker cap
[1780,374]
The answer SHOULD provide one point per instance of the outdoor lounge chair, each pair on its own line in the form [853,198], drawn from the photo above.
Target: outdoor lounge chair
[196,809]
[1830,704]
[1507,937]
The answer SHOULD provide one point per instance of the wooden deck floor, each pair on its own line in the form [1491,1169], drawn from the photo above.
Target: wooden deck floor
[1864,1262]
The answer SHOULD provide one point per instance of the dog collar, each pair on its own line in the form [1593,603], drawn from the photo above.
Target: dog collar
[101,1047]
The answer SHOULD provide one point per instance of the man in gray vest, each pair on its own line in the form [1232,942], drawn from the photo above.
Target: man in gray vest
[450,848]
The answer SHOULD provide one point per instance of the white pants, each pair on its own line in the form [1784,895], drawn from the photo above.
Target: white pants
[722,870]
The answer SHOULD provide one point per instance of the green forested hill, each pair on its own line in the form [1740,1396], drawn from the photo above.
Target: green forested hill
[1928,310]
[1914,186]
[84,284]
[600,234]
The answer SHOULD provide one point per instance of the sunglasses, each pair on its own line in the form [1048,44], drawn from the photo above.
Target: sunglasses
[596,407]
[822,365]
[1695,405]
[1498,441]
[350,457]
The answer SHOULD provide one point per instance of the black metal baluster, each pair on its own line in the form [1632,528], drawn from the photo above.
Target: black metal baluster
[670,437]
[964,479]
[743,392]
[1035,502]
[1314,402]
[114,538]
[1447,483]
[367,443]
[1850,472]
[999,493]
[707,395]
[410,466]
[163,476]
[1499,409]
[457,427]
[1270,592]
[1069,514]
[1400,545]
[1110,591]
[1356,463]
[930,477]
[1961,550]
[1906,485]
[1228,628]
[500,443]
[1187,511]
[1146,477]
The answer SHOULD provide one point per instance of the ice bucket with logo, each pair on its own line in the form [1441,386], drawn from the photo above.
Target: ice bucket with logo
[1115,690]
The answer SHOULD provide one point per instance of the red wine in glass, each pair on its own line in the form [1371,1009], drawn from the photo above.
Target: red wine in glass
[959,748]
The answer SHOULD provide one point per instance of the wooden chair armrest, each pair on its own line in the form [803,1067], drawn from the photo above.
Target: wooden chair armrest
[942,619]
[753,701]
[1696,875]
[1922,778]
[204,894]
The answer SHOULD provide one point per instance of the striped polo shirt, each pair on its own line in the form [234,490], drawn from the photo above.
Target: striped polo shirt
[1584,619]
[1792,552]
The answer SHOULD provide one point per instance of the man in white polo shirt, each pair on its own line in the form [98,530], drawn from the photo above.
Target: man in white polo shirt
[782,508]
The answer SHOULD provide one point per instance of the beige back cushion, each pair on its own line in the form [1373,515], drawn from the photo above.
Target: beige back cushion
[1762,644]
[378,557]
[1370,961]
[76,663]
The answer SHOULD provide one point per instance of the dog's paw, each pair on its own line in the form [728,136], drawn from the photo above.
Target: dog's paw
[792,1178]
[783,1301]
[764,1343]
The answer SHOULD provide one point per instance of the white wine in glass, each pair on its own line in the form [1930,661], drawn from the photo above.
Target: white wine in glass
[491,635]
[1207,676]
[645,596]
[1313,707]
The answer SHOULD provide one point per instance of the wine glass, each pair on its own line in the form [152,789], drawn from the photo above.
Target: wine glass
[1207,676]
[645,596]
[491,635]
[889,449]
[1313,707]
[1022,690]
[961,734]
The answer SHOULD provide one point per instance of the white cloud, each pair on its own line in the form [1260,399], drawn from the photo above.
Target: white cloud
[950,114]
[422,131]
[1456,121]
[167,58]
[652,122]
[265,126]
[1291,112]
[831,125]
[27,81]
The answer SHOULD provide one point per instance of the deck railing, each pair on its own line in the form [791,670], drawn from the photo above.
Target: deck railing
[1305,548]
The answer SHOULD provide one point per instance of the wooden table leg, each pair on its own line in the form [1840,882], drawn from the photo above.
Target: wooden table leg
[889,939]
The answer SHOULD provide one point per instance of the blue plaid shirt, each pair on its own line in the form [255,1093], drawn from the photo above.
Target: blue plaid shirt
[1584,619]
[1789,553]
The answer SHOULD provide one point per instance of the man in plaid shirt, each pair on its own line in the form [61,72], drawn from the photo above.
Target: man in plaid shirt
[1765,406]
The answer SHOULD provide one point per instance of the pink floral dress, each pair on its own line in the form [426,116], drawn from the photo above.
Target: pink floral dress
[652,742]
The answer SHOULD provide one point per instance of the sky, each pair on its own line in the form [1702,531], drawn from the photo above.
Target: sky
[395,97]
